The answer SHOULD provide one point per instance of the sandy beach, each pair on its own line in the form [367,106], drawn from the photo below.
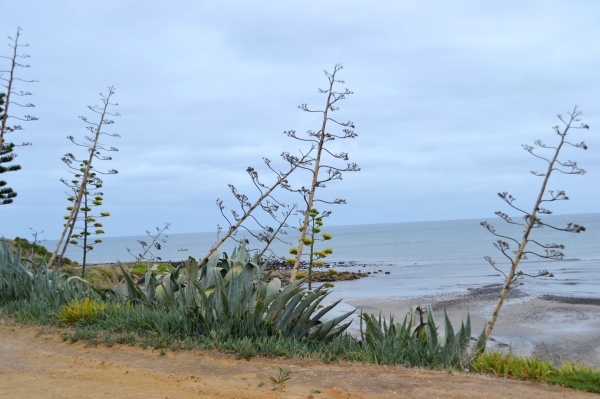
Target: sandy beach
[554,328]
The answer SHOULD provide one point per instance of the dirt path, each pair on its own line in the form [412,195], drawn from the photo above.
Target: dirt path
[36,363]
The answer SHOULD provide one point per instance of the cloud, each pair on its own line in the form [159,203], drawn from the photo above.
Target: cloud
[444,96]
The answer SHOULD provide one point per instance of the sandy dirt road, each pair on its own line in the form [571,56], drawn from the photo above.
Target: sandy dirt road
[36,363]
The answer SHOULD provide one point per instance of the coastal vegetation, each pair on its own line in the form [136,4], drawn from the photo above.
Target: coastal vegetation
[231,302]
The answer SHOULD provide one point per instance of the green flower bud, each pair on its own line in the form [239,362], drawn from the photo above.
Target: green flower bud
[328,250]
[104,214]
[294,251]
[290,261]
[327,236]
[308,241]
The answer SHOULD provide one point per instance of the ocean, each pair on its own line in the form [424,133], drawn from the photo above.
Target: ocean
[421,257]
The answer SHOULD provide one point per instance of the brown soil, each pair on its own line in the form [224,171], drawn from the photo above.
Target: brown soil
[36,363]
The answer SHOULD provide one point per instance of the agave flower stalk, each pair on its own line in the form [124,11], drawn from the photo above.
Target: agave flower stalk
[531,220]
[318,141]
[88,220]
[85,172]
[266,192]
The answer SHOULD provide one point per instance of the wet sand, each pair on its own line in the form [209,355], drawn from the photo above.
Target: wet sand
[555,328]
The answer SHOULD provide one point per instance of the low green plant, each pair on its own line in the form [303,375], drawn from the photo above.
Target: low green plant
[576,376]
[414,342]
[533,369]
[282,376]
[142,268]
[81,311]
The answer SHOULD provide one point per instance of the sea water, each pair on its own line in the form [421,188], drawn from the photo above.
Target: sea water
[421,257]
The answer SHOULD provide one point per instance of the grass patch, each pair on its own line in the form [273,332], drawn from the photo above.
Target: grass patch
[570,375]
[142,268]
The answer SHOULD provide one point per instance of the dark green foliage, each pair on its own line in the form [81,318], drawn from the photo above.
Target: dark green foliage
[569,375]
[582,378]
[24,279]
[412,343]
[6,155]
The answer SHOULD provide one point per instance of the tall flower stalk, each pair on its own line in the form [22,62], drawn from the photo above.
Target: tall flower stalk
[531,220]
[320,171]
[84,173]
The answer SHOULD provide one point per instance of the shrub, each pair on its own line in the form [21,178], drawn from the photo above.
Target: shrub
[81,311]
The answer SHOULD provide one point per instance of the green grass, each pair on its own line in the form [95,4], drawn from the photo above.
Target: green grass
[570,375]
[142,268]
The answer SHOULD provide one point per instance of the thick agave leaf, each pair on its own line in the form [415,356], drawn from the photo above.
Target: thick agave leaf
[449,331]
[432,333]
[329,330]
[479,347]
[205,305]
[282,299]
[211,272]
[133,292]
[273,287]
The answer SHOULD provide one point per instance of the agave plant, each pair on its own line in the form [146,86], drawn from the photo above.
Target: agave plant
[235,291]
[415,343]
[22,278]
[236,288]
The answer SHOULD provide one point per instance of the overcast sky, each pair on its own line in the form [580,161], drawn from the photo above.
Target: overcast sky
[445,93]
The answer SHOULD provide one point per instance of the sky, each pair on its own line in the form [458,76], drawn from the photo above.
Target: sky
[445,94]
